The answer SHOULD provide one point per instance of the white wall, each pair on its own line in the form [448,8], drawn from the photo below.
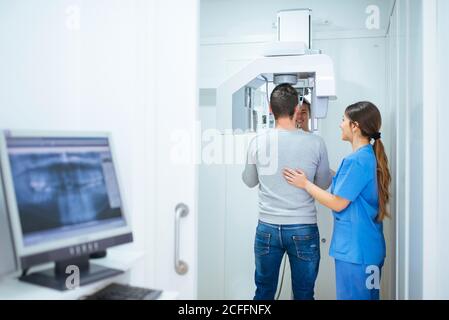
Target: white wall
[416,141]
[443,157]
[406,96]
[254,20]
[55,76]
[435,117]
[417,70]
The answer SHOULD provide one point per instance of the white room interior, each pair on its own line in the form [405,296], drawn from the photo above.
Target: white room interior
[383,65]
[147,72]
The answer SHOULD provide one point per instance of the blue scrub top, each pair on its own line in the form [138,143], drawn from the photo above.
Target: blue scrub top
[358,236]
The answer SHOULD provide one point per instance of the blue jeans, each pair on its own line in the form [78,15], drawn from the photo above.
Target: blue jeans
[302,244]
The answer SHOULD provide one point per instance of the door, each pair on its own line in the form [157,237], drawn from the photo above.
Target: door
[172,144]
[123,67]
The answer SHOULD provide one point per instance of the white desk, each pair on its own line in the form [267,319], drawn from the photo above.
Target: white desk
[13,289]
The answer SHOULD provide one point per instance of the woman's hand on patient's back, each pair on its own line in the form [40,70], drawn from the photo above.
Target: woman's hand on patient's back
[296,178]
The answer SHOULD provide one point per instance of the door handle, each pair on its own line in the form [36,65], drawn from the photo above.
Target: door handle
[181,211]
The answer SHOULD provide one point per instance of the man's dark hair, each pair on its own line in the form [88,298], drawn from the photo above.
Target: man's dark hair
[283,101]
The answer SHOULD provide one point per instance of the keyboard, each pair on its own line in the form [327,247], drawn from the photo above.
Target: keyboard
[116,291]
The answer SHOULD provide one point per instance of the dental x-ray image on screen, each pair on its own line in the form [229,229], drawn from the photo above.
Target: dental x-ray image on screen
[64,187]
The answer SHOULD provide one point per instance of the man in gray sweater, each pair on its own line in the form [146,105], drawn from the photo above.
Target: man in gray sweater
[287,215]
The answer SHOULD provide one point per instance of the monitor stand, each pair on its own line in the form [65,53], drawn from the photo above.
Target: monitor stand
[62,276]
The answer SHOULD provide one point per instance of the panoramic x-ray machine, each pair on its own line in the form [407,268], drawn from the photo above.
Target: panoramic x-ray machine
[242,100]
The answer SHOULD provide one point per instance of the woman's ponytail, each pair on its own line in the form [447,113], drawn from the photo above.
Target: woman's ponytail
[383,179]
[369,120]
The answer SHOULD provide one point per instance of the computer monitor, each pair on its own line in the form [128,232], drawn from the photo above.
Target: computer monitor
[64,203]
[8,261]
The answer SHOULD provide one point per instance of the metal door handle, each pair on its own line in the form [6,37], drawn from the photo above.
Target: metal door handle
[181,211]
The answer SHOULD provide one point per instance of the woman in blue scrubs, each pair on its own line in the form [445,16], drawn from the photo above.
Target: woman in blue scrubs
[358,198]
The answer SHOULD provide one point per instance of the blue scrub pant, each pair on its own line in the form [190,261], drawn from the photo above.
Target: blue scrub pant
[356,281]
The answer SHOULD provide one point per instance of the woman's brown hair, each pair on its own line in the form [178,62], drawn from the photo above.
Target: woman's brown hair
[369,120]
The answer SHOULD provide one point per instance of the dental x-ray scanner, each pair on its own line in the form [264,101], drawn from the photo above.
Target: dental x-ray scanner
[242,100]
